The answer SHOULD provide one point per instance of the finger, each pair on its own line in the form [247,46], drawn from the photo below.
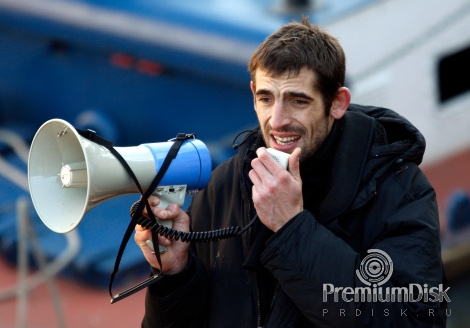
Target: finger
[255,179]
[161,213]
[139,228]
[179,217]
[165,213]
[174,212]
[261,171]
[164,241]
[141,240]
[153,201]
[142,234]
[294,163]
[272,166]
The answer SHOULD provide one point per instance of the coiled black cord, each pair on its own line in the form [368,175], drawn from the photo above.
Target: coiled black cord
[195,237]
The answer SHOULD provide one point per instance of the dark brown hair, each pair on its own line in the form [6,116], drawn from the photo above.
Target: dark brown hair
[298,45]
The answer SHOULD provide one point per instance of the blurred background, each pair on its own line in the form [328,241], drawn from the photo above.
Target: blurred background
[142,71]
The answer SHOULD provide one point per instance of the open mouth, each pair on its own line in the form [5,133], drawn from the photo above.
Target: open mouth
[286,140]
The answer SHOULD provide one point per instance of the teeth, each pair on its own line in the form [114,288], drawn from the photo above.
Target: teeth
[285,141]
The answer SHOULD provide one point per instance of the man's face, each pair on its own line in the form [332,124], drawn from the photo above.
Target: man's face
[291,112]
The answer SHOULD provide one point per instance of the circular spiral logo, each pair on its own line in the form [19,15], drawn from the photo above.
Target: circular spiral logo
[376,268]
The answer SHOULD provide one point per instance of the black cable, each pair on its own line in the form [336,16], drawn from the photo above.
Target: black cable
[245,138]
[194,237]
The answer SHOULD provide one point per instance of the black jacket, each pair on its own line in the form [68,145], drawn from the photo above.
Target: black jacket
[376,199]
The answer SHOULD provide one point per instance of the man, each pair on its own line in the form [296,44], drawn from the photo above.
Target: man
[352,189]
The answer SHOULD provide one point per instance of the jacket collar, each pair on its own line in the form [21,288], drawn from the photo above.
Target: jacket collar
[348,166]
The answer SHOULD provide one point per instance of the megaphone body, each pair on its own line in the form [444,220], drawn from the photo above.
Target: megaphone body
[68,174]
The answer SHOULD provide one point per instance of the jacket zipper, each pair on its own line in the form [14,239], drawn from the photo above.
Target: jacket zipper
[246,196]
[271,306]
[258,303]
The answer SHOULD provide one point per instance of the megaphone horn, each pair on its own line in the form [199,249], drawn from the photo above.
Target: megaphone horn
[68,174]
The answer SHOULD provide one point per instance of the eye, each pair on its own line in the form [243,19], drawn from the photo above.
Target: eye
[264,99]
[301,102]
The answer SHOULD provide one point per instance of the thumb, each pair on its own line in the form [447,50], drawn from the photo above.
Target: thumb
[294,163]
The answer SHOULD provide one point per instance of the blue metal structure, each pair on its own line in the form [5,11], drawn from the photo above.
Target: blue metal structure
[136,72]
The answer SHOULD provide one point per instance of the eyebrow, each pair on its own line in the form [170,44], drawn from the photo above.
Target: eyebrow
[289,94]
[299,95]
[263,92]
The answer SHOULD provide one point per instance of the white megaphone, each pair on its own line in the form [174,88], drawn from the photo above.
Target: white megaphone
[68,174]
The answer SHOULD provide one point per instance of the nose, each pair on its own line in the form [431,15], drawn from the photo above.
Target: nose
[279,116]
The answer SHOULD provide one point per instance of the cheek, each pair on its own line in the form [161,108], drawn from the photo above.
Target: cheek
[321,130]
[263,117]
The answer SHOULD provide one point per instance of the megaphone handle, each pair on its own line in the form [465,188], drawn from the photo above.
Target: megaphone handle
[169,195]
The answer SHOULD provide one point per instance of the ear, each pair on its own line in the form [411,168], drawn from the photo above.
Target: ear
[253,90]
[340,103]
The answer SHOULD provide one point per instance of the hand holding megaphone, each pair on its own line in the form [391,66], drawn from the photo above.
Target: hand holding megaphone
[175,257]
